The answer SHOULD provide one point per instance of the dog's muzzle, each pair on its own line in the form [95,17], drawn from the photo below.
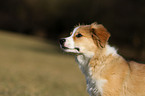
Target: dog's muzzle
[62,41]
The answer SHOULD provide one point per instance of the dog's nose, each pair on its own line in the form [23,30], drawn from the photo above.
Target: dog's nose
[61,41]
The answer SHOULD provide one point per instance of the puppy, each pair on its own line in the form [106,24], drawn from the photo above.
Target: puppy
[106,72]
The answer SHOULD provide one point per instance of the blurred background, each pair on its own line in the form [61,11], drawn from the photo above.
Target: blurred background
[31,62]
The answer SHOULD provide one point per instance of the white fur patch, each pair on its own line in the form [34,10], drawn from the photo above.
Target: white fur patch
[110,50]
[74,31]
[100,83]
[89,54]
[83,63]
[69,42]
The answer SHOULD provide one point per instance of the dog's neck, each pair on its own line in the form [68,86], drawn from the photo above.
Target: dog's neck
[95,64]
[83,62]
[103,56]
[86,61]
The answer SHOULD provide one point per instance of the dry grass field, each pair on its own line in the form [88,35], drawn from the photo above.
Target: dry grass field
[30,66]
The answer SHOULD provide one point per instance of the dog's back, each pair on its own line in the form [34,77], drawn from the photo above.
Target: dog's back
[135,84]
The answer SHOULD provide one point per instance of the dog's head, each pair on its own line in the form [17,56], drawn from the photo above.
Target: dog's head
[86,39]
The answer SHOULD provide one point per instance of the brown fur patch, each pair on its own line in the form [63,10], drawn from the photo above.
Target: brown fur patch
[99,34]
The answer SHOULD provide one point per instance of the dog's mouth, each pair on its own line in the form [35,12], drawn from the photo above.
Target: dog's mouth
[77,48]
[63,47]
[73,50]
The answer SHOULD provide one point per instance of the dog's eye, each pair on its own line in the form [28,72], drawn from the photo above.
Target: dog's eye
[79,35]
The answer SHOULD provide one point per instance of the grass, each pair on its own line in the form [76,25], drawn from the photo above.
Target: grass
[30,66]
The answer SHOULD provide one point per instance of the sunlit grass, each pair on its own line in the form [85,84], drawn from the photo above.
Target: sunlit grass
[33,67]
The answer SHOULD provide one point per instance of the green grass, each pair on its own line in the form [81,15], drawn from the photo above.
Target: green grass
[30,66]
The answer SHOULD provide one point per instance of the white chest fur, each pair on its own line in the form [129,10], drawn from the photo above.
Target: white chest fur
[94,86]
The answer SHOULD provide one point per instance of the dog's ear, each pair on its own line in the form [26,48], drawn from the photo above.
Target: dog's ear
[99,34]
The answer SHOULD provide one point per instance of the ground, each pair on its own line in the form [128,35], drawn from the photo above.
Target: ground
[30,66]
